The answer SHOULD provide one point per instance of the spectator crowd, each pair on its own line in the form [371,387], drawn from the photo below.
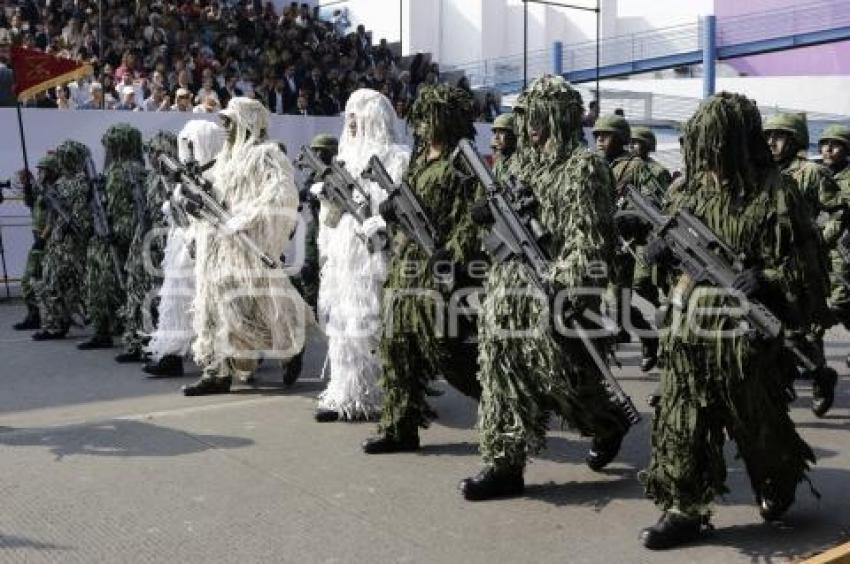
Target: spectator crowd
[194,55]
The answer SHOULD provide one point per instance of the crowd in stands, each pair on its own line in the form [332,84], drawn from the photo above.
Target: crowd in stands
[194,55]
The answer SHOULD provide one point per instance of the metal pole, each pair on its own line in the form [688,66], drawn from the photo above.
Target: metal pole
[709,55]
[524,43]
[400,30]
[100,31]
[598,18]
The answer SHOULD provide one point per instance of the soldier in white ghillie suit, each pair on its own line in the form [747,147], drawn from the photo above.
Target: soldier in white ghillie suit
[352,278]
[244,310]
[199,141]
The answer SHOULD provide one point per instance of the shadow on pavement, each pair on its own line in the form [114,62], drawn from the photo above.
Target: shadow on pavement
[12,541]
[593,494]
[118,438]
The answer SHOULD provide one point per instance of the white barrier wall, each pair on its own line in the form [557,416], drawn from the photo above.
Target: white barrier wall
[45,129]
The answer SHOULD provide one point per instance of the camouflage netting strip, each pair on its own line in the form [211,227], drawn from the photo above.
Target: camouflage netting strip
[123,142]
[446,110]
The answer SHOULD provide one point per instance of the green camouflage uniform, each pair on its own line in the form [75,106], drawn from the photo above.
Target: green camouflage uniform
[33,269]
[413,350]
[820,195]
[525,378]
[143,274]
[59,291]
[715,385]
[839,299]
[124,167]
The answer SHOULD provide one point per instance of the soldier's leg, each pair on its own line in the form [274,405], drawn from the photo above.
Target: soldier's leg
[459,364]
[407,372]
[643,286]
[134,312]
[686,470]
[31,275]
[52,301]
[775,455]
[100,282]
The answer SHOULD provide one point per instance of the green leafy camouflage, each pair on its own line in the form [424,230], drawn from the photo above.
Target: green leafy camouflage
[839,299]
[526,376]
[59,292]
[143,275]
[713,383]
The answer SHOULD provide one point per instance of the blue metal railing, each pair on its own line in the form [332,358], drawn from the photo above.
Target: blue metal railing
[660,43]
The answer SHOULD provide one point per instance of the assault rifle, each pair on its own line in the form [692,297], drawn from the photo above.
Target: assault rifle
[199,202]
[100,218]
[338,186]
[402,207]
[703,257]
[518,236]
[54,203]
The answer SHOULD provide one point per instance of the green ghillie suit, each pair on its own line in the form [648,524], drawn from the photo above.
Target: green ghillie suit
[48,172]
[527,368]
[718,381]
[143,266]
[59,291]
[124,169]
[416,346]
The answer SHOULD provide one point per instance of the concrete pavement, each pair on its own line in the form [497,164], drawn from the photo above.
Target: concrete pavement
[99,464]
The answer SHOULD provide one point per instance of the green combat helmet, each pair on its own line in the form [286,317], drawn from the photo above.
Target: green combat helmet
[794,124]
[504,122]
[613,124]
[49,163]
[644,135]
[836,132]
[324,141]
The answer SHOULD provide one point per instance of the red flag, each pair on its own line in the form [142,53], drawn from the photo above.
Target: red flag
[36,71]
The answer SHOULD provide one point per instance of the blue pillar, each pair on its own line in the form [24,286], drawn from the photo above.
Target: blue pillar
[709,54]
[558,58]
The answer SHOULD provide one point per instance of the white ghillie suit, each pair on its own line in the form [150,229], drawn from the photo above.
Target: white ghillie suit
[200,140]
[352,278]
[243,309]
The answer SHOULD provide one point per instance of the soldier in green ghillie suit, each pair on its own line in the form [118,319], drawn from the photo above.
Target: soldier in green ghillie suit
[613,136]
[528,369]
[643,143]
[718,380]
[415,346]
[59,292]
[788,138]
[504,145]
[124,170]
[48,173]
[144,261]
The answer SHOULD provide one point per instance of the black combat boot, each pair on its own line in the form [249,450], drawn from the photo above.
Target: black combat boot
[672,529]
[49,335]
[823,390]
[31,322]
[169,366]
[324,415]
[603,451]
[386,444]
[773,504]
[649,354]
[292,370]
[130,356]
[96,342]
[493,482]
[208,385]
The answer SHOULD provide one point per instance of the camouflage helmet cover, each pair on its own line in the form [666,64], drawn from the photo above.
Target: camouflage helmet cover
[72,156]
[836,132]
[504,122]
[613,124]
[163,141]
[324,141]
[793,123]
[645,135]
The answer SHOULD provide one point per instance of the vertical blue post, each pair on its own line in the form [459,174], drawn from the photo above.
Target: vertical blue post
[709,54]
[558,58]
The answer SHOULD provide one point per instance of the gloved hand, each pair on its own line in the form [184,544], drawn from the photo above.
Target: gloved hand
[39,243]
[749,282]
[480,212]
[657,252]
[374,231]
[386,210]
[191,203]
[316,190]
[630,226]
[233,225]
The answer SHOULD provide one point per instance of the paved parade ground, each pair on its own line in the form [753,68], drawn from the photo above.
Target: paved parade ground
[100,464]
